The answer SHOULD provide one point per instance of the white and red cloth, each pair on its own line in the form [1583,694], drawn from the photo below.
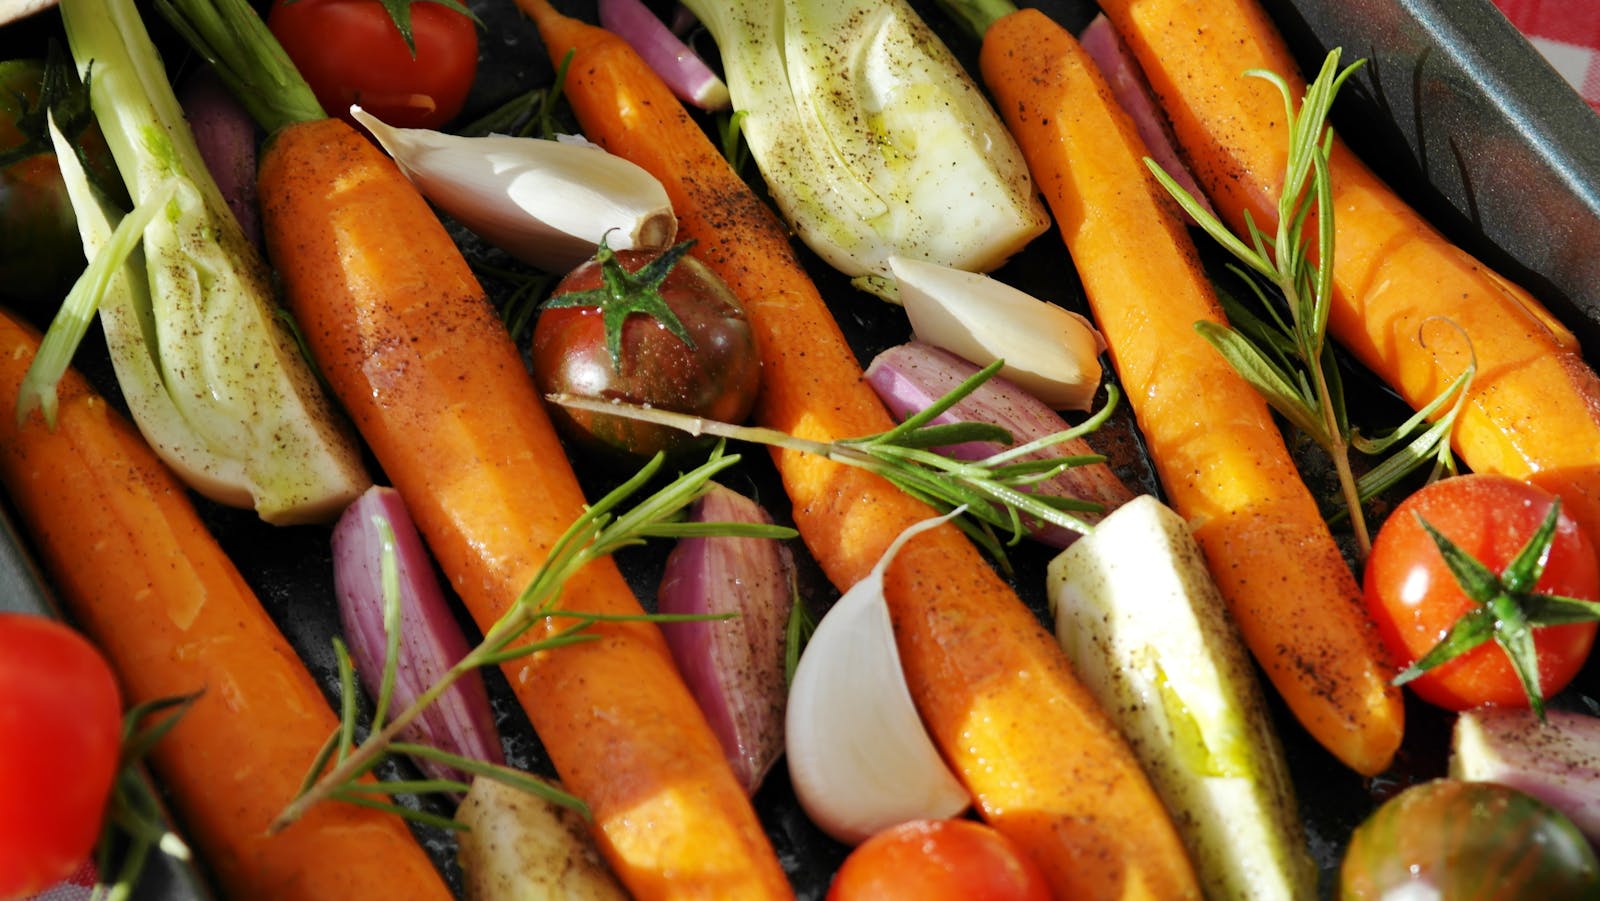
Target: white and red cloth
[77,887]
[1567,33]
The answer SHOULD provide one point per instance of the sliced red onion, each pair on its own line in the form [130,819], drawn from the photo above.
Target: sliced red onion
[226,137]
[1132,92]
[679,66]
[431,640]
[733,666]
[910,377]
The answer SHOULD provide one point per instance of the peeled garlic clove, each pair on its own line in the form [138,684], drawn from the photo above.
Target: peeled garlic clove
[859,756]
[1050,352]
[547,203]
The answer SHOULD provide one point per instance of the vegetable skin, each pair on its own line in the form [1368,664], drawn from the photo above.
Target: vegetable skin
[1403,294]
[408,340]
[1213,441]
[135,567]
[994,688]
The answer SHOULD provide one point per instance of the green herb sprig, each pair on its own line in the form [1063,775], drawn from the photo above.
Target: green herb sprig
[135,823]
[992,489]
[1284,352]
[603,529]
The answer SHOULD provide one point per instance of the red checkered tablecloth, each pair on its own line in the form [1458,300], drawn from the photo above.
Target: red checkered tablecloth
[1567,32]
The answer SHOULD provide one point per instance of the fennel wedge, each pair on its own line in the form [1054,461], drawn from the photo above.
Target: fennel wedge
[1147,630]
[872,138]
[213,376]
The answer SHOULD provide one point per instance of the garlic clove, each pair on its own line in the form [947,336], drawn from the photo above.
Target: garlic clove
[859,757]
[547,203]
[1050,352]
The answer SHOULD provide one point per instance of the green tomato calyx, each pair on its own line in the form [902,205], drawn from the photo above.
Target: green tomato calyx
[1508,607]
[623,293]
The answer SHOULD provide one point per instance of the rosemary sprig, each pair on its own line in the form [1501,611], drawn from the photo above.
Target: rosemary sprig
[1289,359]
[601,530]
[135,823]
[992,489]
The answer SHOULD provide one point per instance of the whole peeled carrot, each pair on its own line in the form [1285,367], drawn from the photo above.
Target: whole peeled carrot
[1212,439]
[137,570]
[412,347]
[1411,306]
[1044,764]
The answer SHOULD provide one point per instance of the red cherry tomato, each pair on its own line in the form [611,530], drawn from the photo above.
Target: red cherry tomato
[1415,600]
[717,378]
[60,734]
[351,51]
[938,860]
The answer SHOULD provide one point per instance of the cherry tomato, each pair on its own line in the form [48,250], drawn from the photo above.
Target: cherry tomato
[938,860]
[351,51]
[1415,599]
[60,735]
[717,378]
[1452,839]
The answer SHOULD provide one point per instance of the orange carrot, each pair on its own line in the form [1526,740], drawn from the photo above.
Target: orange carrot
[136,569]
[1044,764]
[1211,437]
[1534,408]
[410,344]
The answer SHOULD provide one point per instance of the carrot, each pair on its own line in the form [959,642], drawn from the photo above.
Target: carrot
[1211,436]
[1044,764]
[1534,407]
[412,347]
[139,573]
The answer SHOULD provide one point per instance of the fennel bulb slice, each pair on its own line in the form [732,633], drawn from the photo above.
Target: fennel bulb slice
[1148,632]
[872,138]
[214,378]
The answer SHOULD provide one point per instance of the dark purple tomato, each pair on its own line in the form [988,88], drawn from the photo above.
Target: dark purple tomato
[714,374]
[40,251]
[1468,840]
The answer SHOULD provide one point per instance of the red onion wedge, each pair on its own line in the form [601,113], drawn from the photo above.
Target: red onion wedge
[734,666]
[910,377]
[1128,86]
[226,137]
[679,66]
[1556,761]
[431,640]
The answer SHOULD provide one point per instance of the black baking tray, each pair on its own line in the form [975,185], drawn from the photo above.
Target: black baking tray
[1454,108]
